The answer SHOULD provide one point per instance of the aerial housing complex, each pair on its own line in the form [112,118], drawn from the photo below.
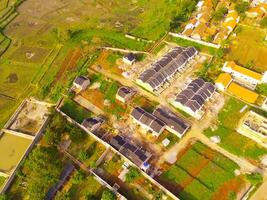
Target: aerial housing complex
[193,98]
[164,69]
[161,119]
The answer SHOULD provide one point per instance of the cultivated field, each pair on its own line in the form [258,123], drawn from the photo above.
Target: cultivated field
[249,48]
[201,173]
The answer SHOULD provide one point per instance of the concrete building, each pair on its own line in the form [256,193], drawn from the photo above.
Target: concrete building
[223,81]
[129,59]
[80,83]
[193,98]
[124,94]
[138,155]
[244,76]
[148,121]
[254,126]
[159,120]
[174,123]
[162,71]
[92,124]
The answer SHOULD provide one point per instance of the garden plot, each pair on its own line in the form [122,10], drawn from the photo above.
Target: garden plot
[191,178]
[15,78]
[30,118]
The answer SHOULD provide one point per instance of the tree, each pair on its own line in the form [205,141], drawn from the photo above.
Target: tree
[263,22]
[262,89]
[108,195]
[4,197]
[83,155]
[77,135]
[132,174]
[241,7]
[43,169]
[55,129]
[219,13]
[78,177]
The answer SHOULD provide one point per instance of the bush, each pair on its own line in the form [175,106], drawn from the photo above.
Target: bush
[108,195]
[262,89]
[241,7]
[219,13]
[263,22]
[254,178]
[132,175]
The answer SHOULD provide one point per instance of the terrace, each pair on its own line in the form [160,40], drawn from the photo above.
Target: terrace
[191,178]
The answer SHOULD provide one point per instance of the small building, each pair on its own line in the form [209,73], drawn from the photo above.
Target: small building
[135,153]
[174,123]
[164,69]
[92,124]
[129,59]
[80,83]
[223,81]
[148,121]
[242,93]
[124,94]
[64,176]
[166,142]
[254,126]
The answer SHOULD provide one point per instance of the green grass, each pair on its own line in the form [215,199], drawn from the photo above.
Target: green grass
[230,139]
[113,57]
[91,146]
[2,180]
[195,191]
[75,111]
[199,47]
[108,37]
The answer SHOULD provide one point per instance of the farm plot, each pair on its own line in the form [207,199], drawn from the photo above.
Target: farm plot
[248,48]
[230,139]
[15,78]
[27,54]
[191,178]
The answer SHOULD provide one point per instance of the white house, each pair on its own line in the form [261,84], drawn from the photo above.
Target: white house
[129,59]
[80,84]
[243,75]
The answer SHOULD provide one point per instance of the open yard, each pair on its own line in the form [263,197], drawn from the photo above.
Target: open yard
[249,48]
[231,140]
[201,173]
[12,149]
[75,111]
